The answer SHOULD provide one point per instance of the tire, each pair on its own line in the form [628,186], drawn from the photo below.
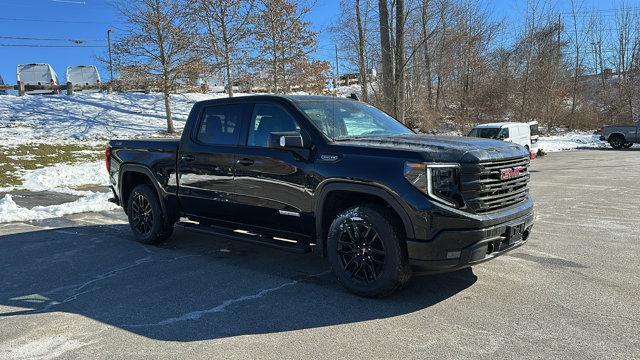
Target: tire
[367,252]
[148,223]
[628,145]
[617,141]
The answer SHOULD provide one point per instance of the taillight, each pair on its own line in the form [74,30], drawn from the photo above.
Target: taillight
[107,156]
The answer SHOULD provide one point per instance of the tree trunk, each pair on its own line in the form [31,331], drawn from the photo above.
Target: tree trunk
[398,99]
[387,64]
[167,109]
[361,49]
[227,55]
[166,89]
[427,57]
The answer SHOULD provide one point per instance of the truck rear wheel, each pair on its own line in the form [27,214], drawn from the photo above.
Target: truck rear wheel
[367,252]
[617,141]
[148,223]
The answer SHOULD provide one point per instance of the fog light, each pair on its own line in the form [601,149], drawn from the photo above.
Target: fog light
[453,255]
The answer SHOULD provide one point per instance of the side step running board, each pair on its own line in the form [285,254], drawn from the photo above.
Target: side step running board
[284,244]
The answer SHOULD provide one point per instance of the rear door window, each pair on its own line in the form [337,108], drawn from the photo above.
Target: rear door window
[221,125]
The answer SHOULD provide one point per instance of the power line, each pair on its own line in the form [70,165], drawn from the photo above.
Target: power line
[52,21]
[76,40]
[51,46]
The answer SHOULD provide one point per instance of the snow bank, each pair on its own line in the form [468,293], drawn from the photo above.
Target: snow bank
[11,212]
[570,141]
[61,176]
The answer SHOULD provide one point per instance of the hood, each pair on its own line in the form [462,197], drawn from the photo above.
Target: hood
[444,148]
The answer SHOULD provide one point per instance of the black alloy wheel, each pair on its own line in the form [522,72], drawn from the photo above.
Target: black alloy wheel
[367,250]
[617,141]
[141,214]
[148,222]
[361,251]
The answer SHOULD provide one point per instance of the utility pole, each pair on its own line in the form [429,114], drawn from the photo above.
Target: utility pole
[110,60]
[595,56]
[335,84]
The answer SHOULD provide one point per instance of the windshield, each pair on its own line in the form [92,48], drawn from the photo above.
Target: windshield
[487,133]
[348,119]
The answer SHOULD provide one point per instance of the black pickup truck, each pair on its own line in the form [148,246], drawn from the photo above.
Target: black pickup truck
[332,175]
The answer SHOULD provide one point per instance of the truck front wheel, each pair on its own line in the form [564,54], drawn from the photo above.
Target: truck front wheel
[617,141]
[148,223]
[367,252]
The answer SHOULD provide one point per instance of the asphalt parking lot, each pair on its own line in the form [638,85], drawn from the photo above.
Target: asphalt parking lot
[79,287]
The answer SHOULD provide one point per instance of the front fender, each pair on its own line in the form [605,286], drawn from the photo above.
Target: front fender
[357,187]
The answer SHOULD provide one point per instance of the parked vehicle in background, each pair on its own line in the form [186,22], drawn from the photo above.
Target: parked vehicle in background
[83,75]
[621,136]
[517,133]
[38,75]
[334,175]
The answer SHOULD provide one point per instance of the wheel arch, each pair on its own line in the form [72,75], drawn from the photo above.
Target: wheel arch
[324,211]
[132,175]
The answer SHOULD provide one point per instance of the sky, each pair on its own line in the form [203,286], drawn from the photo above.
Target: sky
[88,20]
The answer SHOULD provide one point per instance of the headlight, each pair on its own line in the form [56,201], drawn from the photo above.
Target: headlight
[440,182]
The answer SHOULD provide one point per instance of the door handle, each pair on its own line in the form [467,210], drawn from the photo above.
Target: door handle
[188,158]
[245,162]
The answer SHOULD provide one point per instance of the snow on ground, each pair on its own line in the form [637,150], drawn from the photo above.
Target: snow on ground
[93,202]
[89,117]
[570,141]
[60,176]
[63,178]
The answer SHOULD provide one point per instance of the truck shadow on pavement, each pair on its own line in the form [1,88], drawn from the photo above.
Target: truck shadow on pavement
[192,288]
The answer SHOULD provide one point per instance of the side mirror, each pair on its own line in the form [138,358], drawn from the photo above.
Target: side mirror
[286,140]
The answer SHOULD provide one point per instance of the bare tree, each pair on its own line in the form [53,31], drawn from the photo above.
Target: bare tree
[284,40]
[387,64]
[227,26]
[426,35]
[361,54]
[399,90]
[158,41]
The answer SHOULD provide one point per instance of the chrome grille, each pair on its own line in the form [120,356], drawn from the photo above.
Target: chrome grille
[484,191]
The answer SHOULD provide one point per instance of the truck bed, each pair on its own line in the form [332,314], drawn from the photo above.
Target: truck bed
[161,145]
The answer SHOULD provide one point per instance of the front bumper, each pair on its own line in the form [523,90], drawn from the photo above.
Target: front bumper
[456,249]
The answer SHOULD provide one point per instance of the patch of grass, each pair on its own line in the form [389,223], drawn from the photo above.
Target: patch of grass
[35,156]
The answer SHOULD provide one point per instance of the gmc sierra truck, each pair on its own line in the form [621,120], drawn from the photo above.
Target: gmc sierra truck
[332,175]
[621,136]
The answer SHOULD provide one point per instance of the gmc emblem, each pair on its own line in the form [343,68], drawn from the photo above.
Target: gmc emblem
[511,173]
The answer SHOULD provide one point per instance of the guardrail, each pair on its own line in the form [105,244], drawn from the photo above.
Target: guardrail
[69,87]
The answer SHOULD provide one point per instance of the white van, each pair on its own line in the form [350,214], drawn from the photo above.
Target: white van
[517,133]
[37,74]
[83,75]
